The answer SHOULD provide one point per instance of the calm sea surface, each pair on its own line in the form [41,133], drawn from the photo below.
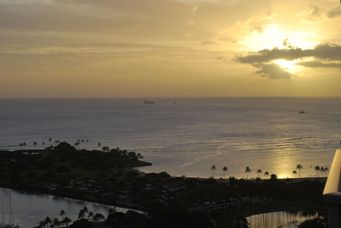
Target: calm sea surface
[187,136]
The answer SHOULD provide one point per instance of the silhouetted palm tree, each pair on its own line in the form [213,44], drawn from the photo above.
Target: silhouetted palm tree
[273,177]
[90,216]
[62,213]
[213,168]
[299,167]
[266,173]
[321,171]
[225,169]
[324,171]
[259,171]
[41,224]
[105,149]
[56,222]
[139,156]
[82,213]
[317,170]
[47,220]
[294,172]
[247,171]
[66,221]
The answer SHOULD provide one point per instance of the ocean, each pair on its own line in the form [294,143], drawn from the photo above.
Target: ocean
[186,136]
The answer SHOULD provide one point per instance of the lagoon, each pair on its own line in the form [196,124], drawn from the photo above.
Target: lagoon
[27,209]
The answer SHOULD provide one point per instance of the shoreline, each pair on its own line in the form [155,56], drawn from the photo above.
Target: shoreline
[136,208]
[66,196]
[112,178]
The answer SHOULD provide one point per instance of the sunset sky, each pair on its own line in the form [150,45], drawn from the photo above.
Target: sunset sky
[167,48]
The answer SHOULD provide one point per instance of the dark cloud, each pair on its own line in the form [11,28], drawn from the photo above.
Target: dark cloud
[319,64]
[273,71]
[325,51]
[328,55]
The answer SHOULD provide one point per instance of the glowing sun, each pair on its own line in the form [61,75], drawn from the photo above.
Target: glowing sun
[287,65]
[273,36]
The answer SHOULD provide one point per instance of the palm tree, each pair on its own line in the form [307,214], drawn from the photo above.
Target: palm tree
[82,213]
[139,156]
[90,216]
[105,149]
[225,169]
[247,171]
[324,171]
[56,222]
[294,172]
[62,213]
[266,173]
[318,169]
[47,220]
[41,224]
[213,168]
[259,171]
[299,167]
[66,221]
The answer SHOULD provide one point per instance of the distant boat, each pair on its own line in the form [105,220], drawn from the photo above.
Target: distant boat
[149,102]
[302,112]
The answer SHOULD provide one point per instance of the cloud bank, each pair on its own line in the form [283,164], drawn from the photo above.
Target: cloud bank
[324,55]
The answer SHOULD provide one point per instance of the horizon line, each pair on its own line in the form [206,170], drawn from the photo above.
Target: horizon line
[172,97]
